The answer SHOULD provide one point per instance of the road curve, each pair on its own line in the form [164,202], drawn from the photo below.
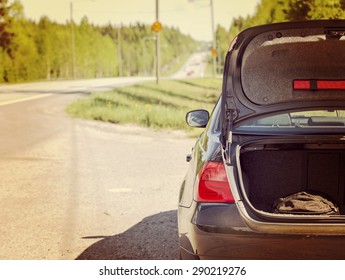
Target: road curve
[74,189]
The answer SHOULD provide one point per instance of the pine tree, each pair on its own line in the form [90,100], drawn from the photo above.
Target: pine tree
[6,35]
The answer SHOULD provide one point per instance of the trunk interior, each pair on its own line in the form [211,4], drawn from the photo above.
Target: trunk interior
[273,171]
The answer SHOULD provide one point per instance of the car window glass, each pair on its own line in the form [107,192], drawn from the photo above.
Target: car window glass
[302,121]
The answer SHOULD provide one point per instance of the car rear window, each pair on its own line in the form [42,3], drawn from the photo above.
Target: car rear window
[288,65]
[316,121]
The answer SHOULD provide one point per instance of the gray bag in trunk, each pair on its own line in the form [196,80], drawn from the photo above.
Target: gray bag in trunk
[304,203]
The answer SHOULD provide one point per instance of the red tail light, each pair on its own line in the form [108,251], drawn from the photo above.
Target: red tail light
[319,84]
[213,184]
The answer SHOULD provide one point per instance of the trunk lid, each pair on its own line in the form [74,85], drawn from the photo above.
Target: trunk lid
[283,67]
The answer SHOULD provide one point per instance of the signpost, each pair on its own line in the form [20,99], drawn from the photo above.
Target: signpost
[157,27]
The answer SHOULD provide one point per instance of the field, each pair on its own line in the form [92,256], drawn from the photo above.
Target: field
[162,106]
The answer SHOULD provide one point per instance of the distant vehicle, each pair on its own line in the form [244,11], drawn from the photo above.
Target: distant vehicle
[277,130]
[190,72]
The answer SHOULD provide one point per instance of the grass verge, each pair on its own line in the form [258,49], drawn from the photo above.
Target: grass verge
[162,106]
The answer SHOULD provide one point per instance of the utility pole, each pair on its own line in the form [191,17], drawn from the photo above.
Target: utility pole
[119,51]
[157,27]
[157,45]
[146,38]
[214,46]
[72,41]
[74,68]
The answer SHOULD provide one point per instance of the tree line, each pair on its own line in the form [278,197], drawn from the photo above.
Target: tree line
[268,11]
[43,50]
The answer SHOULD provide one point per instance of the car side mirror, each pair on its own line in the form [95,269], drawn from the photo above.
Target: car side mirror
[197,118]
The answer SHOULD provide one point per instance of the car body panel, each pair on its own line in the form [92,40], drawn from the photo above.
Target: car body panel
[210,234]
[209,230]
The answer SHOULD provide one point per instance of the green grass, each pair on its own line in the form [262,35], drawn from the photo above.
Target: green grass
[162,106]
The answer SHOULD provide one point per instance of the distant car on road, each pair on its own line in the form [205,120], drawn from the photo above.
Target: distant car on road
[267,176]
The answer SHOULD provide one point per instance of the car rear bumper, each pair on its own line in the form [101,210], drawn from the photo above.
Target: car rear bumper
[218,232]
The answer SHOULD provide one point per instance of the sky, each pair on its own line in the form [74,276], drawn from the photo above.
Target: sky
[192,17]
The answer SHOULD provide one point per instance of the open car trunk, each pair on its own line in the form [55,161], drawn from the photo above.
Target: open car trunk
[273,171]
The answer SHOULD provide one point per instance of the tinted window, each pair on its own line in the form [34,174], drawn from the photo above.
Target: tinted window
[304,121]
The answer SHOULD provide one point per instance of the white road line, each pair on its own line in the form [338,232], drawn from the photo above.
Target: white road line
[37,96]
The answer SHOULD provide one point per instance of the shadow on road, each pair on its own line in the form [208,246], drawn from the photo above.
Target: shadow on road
[154,238]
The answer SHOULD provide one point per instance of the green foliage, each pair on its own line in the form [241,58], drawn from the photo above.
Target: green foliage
[269,11]
[149,104]
[331,9]
[298,10]
[6,34]
[43,50]
[5,67]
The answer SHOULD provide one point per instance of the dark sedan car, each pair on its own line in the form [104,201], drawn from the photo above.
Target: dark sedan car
[267,176]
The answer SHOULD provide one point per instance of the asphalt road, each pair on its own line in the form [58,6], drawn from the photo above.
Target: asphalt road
[194,67]
[73,189]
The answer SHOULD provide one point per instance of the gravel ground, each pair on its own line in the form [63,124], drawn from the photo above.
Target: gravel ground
[73,189]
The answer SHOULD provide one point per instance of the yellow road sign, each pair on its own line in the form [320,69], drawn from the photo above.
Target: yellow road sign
[214,53]
[156,26]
